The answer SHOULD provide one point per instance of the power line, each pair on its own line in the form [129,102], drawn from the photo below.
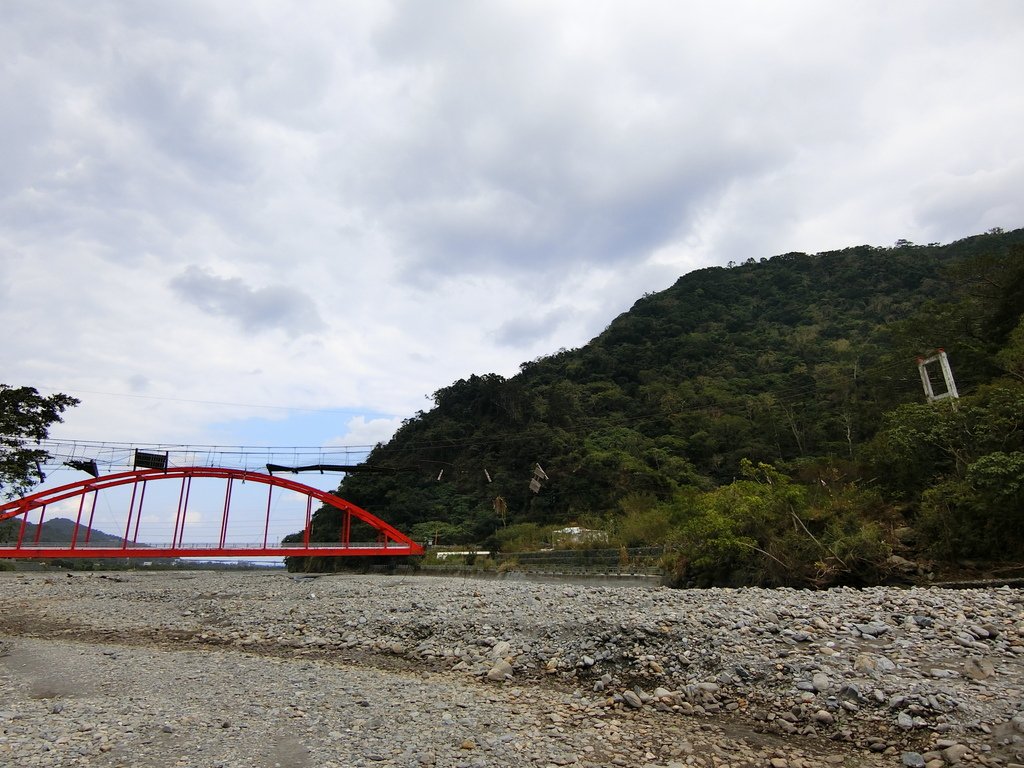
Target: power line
[119,454]
[76,392]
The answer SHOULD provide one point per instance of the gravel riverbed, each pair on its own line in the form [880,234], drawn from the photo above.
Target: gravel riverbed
[262,669]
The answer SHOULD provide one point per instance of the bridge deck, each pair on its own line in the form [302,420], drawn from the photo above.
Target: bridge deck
[45,550]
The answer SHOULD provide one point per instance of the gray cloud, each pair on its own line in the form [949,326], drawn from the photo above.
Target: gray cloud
[533,150]
[472,183]
[951,203]
[526,330]
[255,309]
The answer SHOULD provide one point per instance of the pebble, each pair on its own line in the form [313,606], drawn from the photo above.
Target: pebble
[211,660]
[500,671]
[955,753]
[632,699]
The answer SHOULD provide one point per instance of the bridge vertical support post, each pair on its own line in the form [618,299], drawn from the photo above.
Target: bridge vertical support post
[78,521]
[142,500]
[309,521]
[177,513]
[131,511]
[227,510]
[266,525]
[39,529]
[24,527]
[184,514]
[92,513]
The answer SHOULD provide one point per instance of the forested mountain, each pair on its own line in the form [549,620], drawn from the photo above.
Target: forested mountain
[783,373]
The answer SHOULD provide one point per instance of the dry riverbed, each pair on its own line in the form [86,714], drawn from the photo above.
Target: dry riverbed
[261,669]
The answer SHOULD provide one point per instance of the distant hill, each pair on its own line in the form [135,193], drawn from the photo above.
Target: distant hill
[59,530]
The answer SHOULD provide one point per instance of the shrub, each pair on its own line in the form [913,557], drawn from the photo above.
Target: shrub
[981,515]
[523,537]
[765,530]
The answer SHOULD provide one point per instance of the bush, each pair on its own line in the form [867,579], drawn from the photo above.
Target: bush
[642,528]
[765,530]
[523,537]
[979,516]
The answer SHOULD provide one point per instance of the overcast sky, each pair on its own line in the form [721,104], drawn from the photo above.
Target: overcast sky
[278,223]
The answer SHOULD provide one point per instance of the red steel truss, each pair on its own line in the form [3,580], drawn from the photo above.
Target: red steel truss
[389,540]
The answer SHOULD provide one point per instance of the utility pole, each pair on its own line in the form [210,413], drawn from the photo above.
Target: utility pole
[947,376]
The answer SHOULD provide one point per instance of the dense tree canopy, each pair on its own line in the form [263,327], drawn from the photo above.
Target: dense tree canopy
[803,364]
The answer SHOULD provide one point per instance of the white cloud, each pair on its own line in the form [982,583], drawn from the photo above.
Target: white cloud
[361,431]
[349,207]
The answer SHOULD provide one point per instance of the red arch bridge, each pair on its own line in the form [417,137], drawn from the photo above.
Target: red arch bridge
[192,512]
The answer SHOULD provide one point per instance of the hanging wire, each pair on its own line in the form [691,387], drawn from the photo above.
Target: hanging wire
[116,457]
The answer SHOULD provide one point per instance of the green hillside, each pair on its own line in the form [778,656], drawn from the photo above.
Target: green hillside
[791,378]
[58,530]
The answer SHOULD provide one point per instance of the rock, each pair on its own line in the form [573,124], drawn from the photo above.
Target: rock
[979,668]
[501,650]
[821,682]
[852,692]
[865,663]
[1018,722]
[500,671]
[902,565]
[912,760]
[955,753]
[873,629]
[632,699]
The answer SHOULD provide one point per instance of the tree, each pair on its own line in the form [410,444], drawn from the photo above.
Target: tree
[1011,357]
[25,418]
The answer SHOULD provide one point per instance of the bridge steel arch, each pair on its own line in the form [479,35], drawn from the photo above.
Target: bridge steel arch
[389,540]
